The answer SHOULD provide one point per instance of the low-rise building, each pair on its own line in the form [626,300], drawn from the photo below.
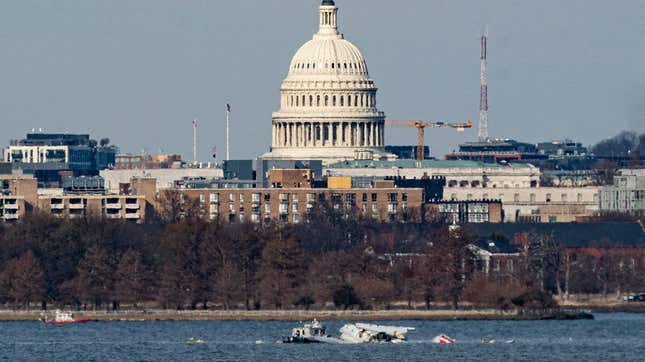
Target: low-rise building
[294,205]
[129,161]
[469,211]
[165,178]
[131,207]
[458,174]
[542,204]
[627,194]
[51,156]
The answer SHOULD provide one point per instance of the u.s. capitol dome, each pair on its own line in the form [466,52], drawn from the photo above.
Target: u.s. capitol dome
[328,101]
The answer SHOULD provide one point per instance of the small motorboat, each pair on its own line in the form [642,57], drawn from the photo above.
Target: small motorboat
[61,318]
[313,332]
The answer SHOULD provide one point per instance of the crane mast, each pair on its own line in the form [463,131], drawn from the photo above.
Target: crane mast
[422,125]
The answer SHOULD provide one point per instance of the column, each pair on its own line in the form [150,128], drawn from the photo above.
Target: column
[329,135]
[272,135]
[301,134]
[289,134]
[335,127]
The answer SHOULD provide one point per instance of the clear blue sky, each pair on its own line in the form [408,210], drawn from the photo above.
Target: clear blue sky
[138,71]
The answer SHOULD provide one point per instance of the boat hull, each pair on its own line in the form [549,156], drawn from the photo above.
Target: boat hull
[75,321]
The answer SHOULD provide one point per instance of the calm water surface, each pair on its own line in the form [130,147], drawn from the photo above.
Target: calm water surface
[611,337]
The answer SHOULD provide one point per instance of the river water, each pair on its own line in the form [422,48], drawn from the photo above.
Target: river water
[610,337]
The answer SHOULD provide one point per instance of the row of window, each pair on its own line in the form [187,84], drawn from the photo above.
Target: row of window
[311,197]
[477,183]
[362,67]
[362,100]
[532,197]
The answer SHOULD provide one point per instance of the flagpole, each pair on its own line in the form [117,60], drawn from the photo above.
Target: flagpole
[195,141]
[228,149]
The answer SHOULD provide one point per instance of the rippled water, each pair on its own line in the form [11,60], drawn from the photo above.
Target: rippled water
[611,337]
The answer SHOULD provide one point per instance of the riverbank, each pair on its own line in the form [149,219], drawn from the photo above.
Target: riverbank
[301,315]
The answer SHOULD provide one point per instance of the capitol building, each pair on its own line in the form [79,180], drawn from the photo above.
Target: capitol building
[328,102]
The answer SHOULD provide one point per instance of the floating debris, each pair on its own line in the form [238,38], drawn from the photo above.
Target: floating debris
[443,339]
[192,340]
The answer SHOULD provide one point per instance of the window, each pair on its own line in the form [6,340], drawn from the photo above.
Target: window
[326,101]
[255,197]
[231,197]
[404,196]
[579,197]
[214,198]
[318,101]
[548,197]
[563,197]
[374,197]
[392,196]
[333,101]
[364,197]
[202,198]
[351,199]
[532,197]
[516,197]
[267,197]
[241,198]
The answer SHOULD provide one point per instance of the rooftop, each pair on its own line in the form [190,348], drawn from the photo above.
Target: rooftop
[575,235]
[423,164]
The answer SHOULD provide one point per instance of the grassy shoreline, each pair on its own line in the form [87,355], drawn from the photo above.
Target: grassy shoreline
[298,315]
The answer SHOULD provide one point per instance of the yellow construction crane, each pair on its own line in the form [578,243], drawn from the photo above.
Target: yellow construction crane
[422,125]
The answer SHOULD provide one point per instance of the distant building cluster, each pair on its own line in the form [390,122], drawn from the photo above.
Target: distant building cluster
[328,146]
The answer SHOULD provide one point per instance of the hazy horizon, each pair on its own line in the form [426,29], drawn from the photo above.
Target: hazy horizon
[138,72]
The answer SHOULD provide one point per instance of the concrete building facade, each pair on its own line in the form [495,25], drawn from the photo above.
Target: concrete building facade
[541,204]
[458,174]
[165,177]
[627,194]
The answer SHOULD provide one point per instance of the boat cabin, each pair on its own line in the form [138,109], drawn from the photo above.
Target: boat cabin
[313,329]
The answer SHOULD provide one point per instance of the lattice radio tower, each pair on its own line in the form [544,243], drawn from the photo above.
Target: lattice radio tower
[483,95]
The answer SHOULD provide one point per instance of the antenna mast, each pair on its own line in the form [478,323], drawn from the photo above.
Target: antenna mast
[195,140]
[228,147]
[483,94]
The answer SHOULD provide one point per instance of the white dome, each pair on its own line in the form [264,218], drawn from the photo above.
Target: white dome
[328,55]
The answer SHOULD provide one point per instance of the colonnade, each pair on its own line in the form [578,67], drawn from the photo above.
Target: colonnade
[327,134]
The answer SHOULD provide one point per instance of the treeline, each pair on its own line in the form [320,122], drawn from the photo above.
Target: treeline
[333,261]
[624,144]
